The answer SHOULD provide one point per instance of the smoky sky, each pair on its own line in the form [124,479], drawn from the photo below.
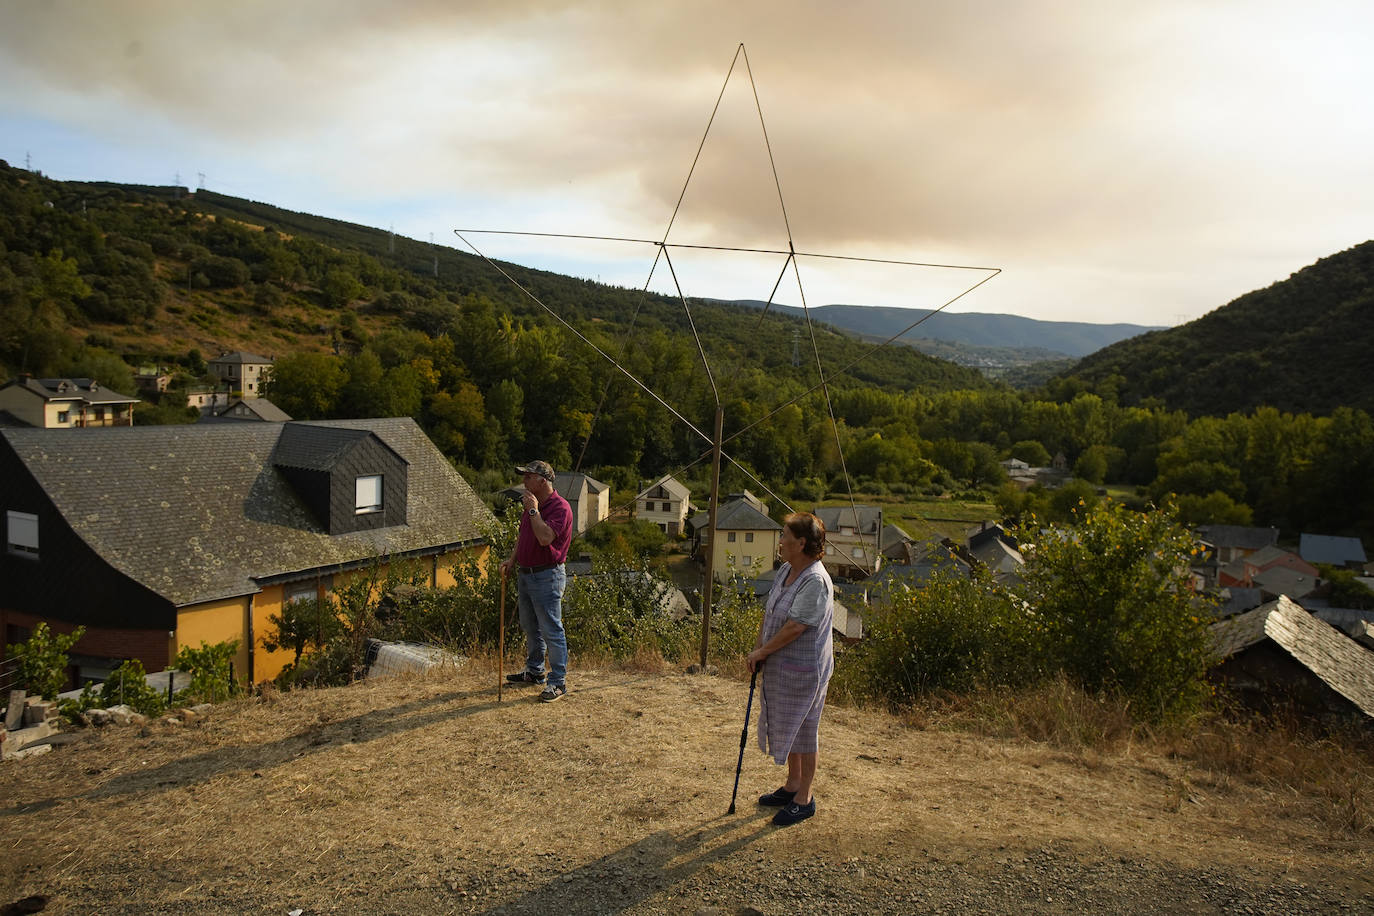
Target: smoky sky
[1137,159]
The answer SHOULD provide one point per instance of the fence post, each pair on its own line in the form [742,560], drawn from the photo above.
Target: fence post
[170,673]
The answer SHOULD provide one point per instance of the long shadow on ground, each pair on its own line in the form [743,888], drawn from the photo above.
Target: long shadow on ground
[632,874]
[369,726]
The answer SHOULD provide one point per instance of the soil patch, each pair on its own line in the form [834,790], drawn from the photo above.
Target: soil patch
[426,795]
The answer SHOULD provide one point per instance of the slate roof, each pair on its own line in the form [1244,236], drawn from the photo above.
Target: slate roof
[1238,536]
[72,389]
[1340,662]
[1337,551]
[671,484]
[255,409]
[570,483]
[1280,580]
[199,512]
[738,515]
[864,519]
[239,357]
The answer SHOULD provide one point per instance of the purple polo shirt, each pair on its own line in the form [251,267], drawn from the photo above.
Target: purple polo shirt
[557,514]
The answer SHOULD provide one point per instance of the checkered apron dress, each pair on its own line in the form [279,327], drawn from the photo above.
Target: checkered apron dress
[795,677]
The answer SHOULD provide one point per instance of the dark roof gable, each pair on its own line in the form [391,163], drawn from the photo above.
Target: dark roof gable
[199,512]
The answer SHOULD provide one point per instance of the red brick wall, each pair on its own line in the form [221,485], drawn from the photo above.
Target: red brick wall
[148,646]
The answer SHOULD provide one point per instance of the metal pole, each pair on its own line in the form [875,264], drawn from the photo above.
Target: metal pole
[744,735]
[710,571]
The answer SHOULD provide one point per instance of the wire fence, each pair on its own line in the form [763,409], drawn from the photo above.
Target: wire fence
[9,676]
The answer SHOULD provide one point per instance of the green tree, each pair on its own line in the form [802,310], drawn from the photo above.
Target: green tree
[306,385]
[302,624]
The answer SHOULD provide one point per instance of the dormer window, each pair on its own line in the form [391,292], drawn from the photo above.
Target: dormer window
[367,494]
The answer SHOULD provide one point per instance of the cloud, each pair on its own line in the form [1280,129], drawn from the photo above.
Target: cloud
[1077,139]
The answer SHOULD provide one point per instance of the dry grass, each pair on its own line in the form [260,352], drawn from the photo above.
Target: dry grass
[427,789]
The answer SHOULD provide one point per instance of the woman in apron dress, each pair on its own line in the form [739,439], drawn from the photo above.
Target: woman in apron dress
[795,640]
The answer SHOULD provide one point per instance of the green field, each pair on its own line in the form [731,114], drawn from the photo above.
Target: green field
[926,518]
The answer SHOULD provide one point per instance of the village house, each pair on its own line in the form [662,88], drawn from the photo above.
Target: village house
[745,536]
[853,539]
[160,537]
[242,372]
[252,410]
[1231,542]
[666,503]
[588,498]
[63,403]
[1280,653]
[1243,570]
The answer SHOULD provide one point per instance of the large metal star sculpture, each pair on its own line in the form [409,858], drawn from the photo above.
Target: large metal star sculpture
[663,253]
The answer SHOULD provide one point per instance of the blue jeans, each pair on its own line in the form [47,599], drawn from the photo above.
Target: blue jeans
[540,599]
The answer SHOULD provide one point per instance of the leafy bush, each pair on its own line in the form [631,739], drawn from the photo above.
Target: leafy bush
[620,611]
[211,670]
[128,685]
[42,660]
[953,634]
[1114,608]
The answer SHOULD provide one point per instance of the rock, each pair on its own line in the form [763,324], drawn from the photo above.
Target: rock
[14,713]
[123,714]
[99,717]
[28,752]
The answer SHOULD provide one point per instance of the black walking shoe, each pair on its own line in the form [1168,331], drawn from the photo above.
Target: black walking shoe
[552,692]
[777,798]
[524,677]
[794,812]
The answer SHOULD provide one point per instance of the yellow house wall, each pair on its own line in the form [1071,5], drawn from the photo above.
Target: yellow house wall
[763,551]
[215,622]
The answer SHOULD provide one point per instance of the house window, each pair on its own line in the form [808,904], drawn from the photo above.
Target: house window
[748,537]
[367,494]
[730,537]
[748,561]
[648,505]
[64,416]
[300,591]
[857,553]
[667,507]
[22,533]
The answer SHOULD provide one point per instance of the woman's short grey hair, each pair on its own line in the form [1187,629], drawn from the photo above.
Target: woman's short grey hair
[809,530]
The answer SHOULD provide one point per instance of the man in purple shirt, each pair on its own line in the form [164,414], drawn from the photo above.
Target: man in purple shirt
[540,549]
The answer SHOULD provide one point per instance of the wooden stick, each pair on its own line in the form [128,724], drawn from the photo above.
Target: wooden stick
[501,642]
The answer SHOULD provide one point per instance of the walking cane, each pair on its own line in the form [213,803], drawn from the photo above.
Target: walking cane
[744,735]
[501,641]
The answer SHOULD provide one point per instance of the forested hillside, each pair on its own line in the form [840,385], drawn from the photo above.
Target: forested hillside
[97,279]
[1302,345]
[97,271]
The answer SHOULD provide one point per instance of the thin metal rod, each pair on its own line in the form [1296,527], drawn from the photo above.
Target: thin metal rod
[744,735]
[799,254]
[582,337]
[710,571]
[863,356]
[706,364]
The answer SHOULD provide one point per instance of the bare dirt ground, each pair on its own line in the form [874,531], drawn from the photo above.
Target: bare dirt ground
[425,795]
